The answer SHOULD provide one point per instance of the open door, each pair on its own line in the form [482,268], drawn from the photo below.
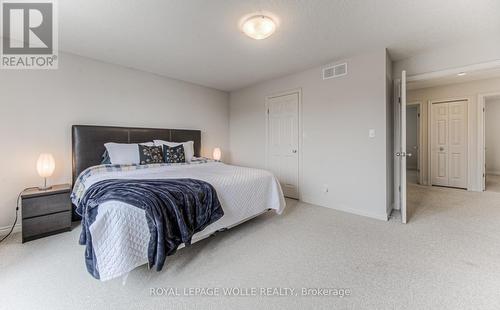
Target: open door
[400,146]
[482,106]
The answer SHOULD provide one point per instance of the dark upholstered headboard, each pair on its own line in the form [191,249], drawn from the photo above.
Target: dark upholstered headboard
[88,141]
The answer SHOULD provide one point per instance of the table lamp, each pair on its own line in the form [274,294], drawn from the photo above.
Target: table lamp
[217,154]
[45,167]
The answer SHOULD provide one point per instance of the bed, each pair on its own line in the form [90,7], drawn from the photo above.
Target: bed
[120,233]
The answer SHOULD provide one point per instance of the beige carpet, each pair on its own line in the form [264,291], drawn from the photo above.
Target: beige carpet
[448,257]
[493,183]
[412,176]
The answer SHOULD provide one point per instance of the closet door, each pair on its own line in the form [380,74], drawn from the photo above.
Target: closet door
[439,144]
[457,144]
[283,141]
[449,144]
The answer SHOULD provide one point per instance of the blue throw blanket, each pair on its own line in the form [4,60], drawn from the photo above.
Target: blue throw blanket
[176,209]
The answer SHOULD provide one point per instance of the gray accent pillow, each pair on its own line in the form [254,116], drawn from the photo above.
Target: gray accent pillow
[174,154]
[105,160]
[150,154]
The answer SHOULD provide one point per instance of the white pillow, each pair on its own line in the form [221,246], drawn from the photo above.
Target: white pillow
[124,153]
[188,147]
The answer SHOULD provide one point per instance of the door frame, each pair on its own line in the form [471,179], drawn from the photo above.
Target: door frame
[297,91]
[430,132]
[481,137]
[474,172]
[420,164]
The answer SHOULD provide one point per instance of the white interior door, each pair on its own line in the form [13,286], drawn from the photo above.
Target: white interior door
[483,153]
[458,143]
[283,141]
[439,154]
[449,144]
[400,147]
[404,205]
[419,146]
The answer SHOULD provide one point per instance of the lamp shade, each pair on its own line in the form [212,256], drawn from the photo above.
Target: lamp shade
[45,165]
[217,153]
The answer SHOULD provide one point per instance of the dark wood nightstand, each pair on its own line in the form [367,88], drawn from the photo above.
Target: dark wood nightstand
[46,212]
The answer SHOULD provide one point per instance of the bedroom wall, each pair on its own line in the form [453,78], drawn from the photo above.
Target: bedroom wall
[336,117]
[38,107]
[492,123]
[467,90]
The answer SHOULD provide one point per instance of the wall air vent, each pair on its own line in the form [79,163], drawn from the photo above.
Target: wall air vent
[336,71]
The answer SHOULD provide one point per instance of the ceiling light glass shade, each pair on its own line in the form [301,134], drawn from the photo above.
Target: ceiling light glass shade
[217,153]
[45,165]
[259,27]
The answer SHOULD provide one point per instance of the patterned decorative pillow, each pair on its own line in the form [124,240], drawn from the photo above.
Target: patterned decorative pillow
[174,154]
[105,160]
[150,154]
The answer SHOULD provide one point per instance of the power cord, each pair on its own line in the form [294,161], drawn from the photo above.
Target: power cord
[17,213]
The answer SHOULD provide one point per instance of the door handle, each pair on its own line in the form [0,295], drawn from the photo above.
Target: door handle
[294,151]
[441,148]
[403,154]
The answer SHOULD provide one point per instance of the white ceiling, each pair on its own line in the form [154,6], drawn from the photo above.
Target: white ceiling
[199,40]
[454,79]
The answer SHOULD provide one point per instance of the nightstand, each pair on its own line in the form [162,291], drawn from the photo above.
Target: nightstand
[46,212]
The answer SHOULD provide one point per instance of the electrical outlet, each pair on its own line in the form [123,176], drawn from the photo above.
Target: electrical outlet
[371,133]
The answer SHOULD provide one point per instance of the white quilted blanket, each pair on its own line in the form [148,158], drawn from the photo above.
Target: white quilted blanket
[120,233]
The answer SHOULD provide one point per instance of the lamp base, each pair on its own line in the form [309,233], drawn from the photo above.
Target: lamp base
[44,187]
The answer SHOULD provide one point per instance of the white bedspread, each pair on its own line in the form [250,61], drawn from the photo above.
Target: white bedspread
[120,233]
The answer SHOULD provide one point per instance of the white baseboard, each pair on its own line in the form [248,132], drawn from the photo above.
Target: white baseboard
[5,230]
[394,207]
[383,217]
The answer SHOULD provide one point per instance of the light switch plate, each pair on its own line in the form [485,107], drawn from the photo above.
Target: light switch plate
[371,133]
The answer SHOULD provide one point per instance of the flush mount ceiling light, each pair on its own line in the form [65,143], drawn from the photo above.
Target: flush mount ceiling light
[462,73]
[258,27]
